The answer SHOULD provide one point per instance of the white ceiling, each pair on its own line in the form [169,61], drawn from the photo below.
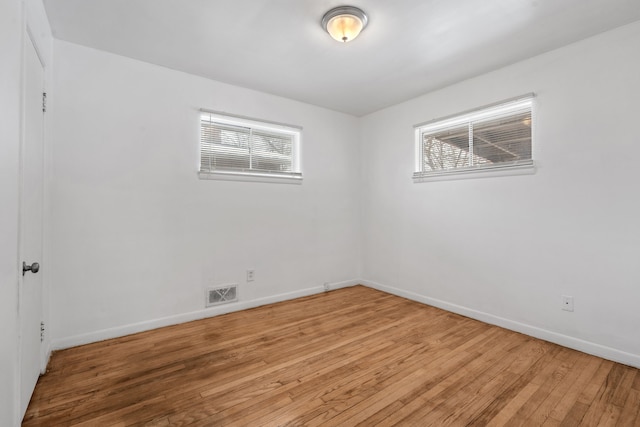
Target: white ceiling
[410,47]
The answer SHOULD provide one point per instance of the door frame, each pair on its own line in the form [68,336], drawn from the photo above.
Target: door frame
[44,350]
[29,38]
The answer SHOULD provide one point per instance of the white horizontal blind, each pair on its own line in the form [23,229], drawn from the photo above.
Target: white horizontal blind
[494,137]
[239,146]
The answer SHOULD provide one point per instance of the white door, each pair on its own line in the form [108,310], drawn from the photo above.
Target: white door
[31,218]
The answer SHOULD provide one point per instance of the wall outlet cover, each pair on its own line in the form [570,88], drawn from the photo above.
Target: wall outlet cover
[567,303]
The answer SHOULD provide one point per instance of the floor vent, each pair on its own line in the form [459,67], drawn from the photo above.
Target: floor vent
[222,295]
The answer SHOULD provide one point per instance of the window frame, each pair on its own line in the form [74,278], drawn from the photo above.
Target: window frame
[293,177]
[504,108]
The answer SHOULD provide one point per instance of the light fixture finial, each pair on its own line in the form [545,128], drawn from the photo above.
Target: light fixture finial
[344,23]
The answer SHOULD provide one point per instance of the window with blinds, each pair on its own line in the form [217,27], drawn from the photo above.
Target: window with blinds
[233,146]
[494,137]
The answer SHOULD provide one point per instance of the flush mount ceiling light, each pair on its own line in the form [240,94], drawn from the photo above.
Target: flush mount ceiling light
[344,23]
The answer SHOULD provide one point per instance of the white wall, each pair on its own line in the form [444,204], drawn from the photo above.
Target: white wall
[505,249]
[137,237]
[10,69]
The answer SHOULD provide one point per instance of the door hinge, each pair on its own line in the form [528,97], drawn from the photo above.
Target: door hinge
[44,102]
[41,331]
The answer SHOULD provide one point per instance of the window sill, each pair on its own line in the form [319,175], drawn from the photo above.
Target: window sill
[251,177]
[528,168]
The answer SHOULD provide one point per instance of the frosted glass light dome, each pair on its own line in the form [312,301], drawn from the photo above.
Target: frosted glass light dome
[344,23]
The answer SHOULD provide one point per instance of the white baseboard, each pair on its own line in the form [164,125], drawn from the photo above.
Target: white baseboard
[544,334]
[120,331]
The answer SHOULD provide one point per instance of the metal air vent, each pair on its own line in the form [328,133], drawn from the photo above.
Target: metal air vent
[222,295]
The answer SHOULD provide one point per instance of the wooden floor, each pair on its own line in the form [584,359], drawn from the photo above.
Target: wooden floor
[348,357]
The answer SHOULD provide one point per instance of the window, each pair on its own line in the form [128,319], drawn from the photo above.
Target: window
[238,148]
[494,137]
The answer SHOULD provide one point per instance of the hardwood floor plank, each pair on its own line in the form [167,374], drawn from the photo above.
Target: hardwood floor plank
[610,416]
[396,387]
[557,366]
[481,391]
[513,404]
[354,356]
[631,410]
[621,392]
[440,377]
[432,399]
[600,403]
[527,365]
[360,388]
[544,411]
[570,396]
[575,415]
[636,382]
[312,389]
[592,389]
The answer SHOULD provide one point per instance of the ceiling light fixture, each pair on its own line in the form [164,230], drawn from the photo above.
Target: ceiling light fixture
[344,23]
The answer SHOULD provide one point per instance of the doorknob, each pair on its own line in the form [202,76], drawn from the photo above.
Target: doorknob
[32,268]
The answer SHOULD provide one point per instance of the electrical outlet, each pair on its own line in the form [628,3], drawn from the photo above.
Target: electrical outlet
[567,303]
[326,286]
[251,274]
